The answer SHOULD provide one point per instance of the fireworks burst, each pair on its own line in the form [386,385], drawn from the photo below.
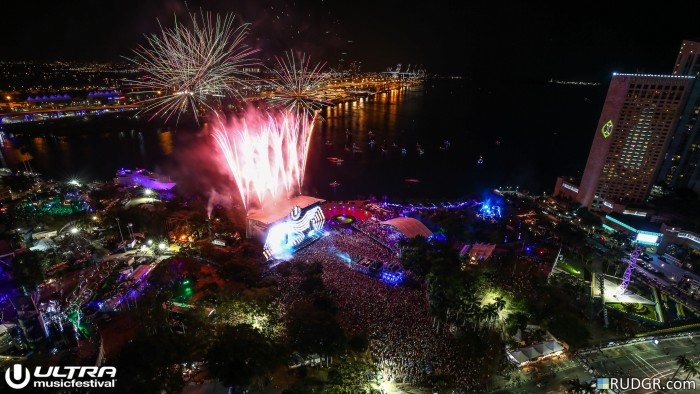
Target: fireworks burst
[187,67]
[298,84]
[264,154]
[298,90]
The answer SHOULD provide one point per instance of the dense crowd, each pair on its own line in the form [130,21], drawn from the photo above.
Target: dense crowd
[383,234]
[382,212]
[404,339]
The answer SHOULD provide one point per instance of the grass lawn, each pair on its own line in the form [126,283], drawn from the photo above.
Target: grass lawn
[645,311]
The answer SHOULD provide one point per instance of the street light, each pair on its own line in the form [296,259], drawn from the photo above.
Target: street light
[120,230]
[74,230]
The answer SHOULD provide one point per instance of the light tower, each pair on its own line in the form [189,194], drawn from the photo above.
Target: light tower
[631,265]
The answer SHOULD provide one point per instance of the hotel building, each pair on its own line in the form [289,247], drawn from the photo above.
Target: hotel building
[638,119]
[681,165]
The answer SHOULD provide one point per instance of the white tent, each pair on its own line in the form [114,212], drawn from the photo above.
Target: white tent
[43,245]
[536,351]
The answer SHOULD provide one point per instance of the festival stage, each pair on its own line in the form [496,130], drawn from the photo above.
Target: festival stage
[611,296]
[286,226]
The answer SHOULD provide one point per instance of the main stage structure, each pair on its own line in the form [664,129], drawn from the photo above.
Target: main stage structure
[286,226]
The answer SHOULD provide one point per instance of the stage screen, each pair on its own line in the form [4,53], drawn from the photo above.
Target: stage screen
[647,239]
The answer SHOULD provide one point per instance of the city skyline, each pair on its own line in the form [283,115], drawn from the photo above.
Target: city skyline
[519,41]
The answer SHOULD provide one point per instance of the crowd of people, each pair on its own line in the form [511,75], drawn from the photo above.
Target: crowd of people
[381,212]
[383,234]
[405,341]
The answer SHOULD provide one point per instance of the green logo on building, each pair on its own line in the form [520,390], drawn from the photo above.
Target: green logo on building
[607,129]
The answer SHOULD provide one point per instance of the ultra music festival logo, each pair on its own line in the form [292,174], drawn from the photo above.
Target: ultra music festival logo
[19,377]
[607,129]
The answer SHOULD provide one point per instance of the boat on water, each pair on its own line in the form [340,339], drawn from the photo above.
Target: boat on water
[334,184]
[329,142]
[144,178]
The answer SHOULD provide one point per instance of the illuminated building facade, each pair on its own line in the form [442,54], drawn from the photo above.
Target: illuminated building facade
[688,61]
[681,166]
[636,124]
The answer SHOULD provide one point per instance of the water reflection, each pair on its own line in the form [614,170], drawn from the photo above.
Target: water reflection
[399,119]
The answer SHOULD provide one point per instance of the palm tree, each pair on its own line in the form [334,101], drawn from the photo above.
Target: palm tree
[500,303]
[476,314]
[579,388]
[682,362]
[469,306]
[693,369]
[490,314]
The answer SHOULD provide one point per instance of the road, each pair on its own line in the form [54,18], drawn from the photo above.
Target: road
[672,271]
[665,283]
[644,359]
[647,359]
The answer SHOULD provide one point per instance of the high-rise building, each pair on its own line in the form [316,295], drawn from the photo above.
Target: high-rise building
[681,166]
[688,61]
[638,119]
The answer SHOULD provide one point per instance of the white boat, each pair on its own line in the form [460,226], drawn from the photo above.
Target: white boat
[141,177]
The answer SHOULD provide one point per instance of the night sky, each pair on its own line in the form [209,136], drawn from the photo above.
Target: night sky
[468,38]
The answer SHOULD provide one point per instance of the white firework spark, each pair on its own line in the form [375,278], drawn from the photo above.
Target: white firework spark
[186,67]
[298,90]
[264,154]
[298,85]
